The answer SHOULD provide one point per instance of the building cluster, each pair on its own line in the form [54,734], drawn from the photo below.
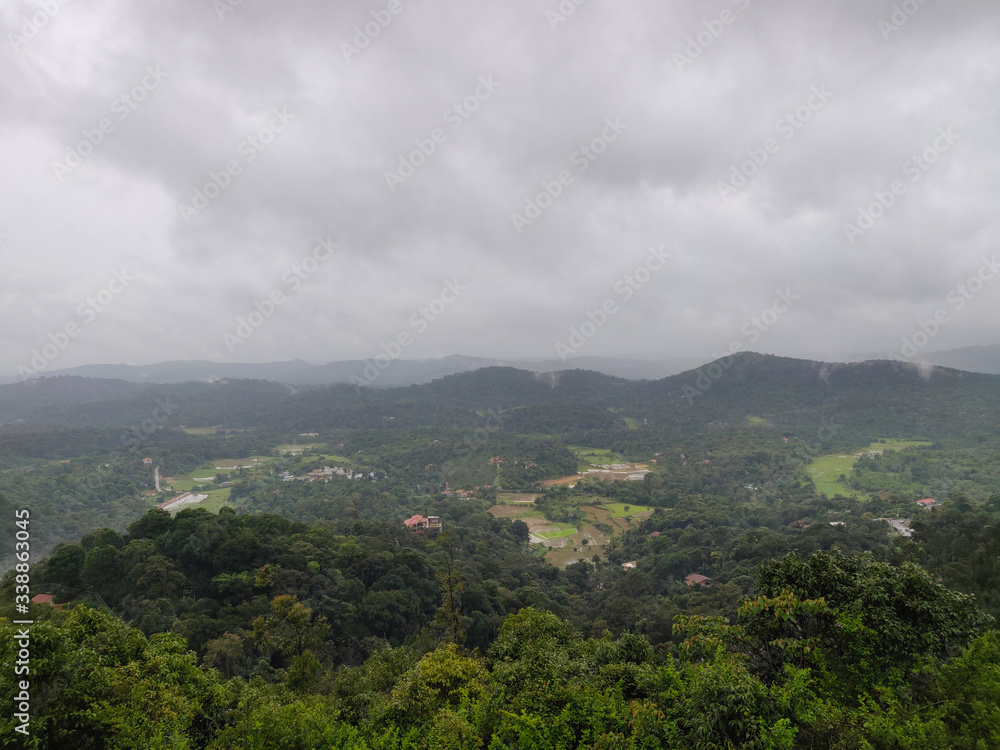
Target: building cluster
[430,523]
[326,473]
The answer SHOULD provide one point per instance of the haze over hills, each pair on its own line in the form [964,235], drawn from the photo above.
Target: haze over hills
[790,394]
[398,372]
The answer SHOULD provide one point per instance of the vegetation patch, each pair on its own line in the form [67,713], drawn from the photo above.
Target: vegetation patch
[588,458]
[826,470]
[624,510]
[562,532]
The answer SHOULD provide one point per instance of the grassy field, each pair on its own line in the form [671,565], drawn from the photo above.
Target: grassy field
[216,500]
[757,420]
[565,530]
[589,457]
[824,470]
[618,510]
[566,542]
[205,474]
[513,498]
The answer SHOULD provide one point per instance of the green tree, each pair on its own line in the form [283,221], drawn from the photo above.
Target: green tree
[289,628]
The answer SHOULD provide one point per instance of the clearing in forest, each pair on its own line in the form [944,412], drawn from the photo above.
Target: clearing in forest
[825,470]
[568,543]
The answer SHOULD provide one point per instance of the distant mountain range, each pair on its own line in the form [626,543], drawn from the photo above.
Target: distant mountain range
[792,395]
[398,372]
[984,359]
[401,372]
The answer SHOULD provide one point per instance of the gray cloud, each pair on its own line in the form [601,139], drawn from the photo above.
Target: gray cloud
[552,92]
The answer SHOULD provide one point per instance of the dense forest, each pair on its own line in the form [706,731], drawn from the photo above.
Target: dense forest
[747,589]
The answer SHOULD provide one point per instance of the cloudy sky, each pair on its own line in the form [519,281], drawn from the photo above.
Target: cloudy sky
[256,181]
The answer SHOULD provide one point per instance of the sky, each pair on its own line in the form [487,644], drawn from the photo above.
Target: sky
[250,181]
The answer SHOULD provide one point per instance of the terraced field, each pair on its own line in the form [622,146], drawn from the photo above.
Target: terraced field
[568,543]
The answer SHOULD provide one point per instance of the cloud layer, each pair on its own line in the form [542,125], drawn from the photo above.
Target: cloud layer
[846,156]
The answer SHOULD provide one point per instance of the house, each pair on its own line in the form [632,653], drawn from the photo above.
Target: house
[927,502]
[496,460]
[42,599]
[654,535]
[147,461]
[431,523]
[629,565]
[701,580]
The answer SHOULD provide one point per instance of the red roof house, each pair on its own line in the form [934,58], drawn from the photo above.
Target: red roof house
[927,502]
[698,578]
[42,599]
[423,522]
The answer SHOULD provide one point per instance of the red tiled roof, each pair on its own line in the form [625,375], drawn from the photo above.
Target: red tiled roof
[42,599]
[697,578]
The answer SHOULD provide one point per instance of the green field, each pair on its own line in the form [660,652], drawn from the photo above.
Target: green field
[596,511]
[617,510]
[824,470]
[185,482]
[217,499]
[565,530]
[587,458]
[758,420]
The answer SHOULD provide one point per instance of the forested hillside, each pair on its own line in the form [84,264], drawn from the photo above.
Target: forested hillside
[617,564]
